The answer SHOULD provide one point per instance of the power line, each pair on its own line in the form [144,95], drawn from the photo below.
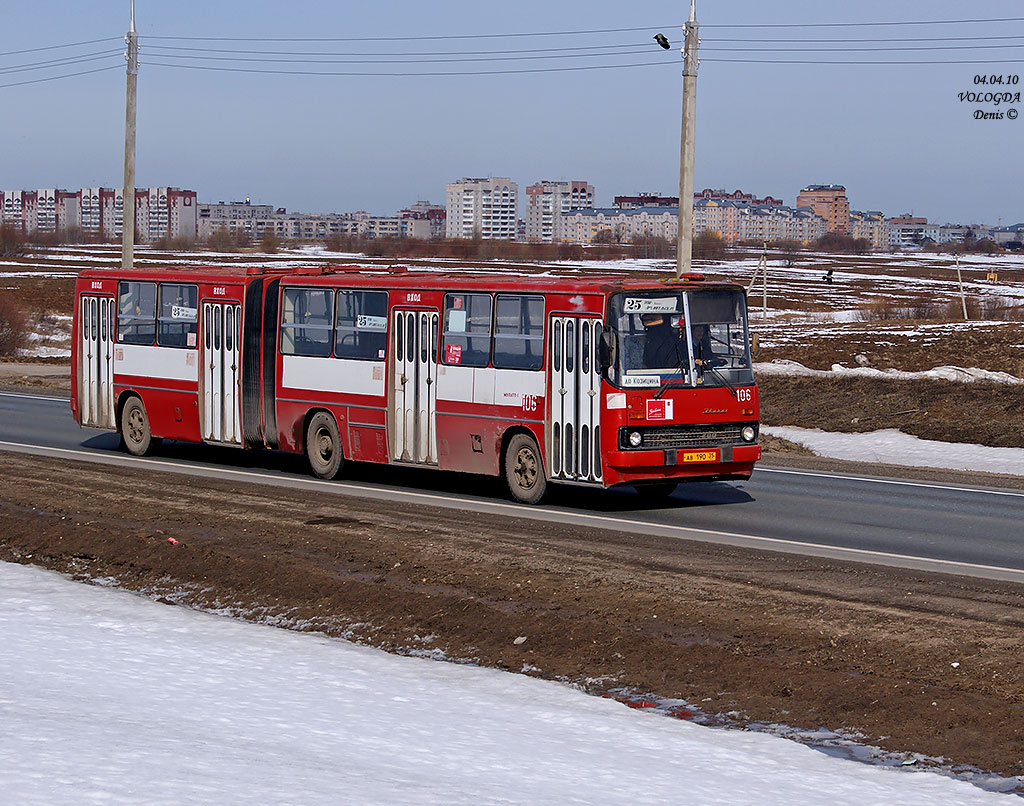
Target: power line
[399,58]
[908,63]
[870,39]
[860,50]
[863,24]
[404,53]
[66,61]
[58,78]
[67,45]
[409,74]
[408,38]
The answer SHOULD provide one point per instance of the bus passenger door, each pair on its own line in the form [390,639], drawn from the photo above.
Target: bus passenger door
[412,421]
[220,412]
[96,357]
[574,414]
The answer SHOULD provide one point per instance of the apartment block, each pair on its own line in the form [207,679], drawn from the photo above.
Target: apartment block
[621,224]
[159,212]
[829,202]
[482,208]
[548,202]
[870,226]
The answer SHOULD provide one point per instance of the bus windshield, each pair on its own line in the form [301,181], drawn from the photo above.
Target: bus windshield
[689,338]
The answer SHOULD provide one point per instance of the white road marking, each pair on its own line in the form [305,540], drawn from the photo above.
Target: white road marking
[36,397]
[548,515]
[900,482]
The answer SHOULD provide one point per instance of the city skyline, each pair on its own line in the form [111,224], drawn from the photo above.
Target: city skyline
[896,136]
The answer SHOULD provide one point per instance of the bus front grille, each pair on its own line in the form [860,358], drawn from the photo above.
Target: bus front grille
[687,436]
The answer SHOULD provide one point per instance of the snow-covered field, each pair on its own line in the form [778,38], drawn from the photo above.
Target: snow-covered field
[109,698]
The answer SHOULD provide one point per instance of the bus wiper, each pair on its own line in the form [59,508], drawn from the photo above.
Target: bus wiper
[723,379]
[680,384]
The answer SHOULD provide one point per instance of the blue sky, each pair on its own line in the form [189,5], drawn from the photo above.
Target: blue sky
[896,135]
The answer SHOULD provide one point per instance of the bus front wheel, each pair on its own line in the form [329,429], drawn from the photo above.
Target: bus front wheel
[323,446]
[524,470]
[135,431]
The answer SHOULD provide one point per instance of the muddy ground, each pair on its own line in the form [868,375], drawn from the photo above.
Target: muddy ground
[910,661]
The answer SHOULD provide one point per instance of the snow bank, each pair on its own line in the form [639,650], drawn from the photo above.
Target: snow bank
[893,447]
[781,366]
[106,697]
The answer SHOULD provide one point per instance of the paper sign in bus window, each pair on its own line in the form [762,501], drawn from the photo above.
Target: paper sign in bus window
[366,322]
[453,353]
[456,321]
[651,305]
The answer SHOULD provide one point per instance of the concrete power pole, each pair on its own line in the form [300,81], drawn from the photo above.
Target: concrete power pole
[684,237]
[128,215]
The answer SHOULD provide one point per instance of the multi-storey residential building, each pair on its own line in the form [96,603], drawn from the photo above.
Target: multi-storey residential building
[548,202]
[423,220]
[482,208]
[906,231]
[1013,234]
[829,202]
[645,200]
[736,196]
[620,224]
[159,212]
[764,223]
[871,227]
[739,221]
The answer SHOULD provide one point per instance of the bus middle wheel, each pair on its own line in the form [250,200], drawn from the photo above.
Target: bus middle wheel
[524,470]
[323,446]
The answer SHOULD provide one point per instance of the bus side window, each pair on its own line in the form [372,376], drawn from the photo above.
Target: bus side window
[467,329]
[519,331]
[179,315]
[307,321]
[362,322]
[136,313]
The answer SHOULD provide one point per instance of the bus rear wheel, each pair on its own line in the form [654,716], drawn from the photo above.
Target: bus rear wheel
[323,446]
[524,470]
[135,430]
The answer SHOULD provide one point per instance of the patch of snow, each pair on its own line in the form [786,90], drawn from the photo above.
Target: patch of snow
[782,366]
[107,697]
[892,447]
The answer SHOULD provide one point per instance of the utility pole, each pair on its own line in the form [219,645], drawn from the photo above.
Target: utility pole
[684,236]
[128,214]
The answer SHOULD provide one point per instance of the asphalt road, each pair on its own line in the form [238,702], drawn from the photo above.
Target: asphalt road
[938,527]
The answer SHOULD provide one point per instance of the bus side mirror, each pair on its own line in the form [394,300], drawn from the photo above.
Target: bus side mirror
[606,349]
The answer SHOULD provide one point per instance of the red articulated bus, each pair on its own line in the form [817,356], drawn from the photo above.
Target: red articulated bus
[596,381]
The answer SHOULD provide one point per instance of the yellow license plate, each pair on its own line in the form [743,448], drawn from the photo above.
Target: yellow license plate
[700,456]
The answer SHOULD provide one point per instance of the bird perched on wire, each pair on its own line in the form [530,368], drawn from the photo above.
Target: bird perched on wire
[662,40]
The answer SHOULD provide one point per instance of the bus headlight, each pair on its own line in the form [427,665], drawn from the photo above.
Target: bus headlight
[635,439]
[748,433]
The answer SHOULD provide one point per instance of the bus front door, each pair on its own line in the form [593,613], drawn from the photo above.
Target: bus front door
[220,413]
[412,420]
[96,362]
[574,412]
